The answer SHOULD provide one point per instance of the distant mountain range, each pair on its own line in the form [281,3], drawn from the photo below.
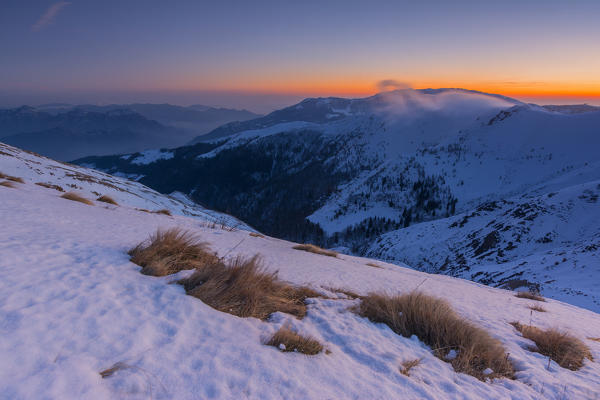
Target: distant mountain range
[356,174]
[67,132]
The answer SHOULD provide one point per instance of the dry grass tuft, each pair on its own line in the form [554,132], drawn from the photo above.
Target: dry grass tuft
[370,264]
[311,248]
[76,197]
[530,296]
[537,308]
[50,186]
[11,178]
[287,340]
[15,179]
[568,351]
[258,235]
[348,293]
[243,288]
[434,322]
[107,199]
[408,365]
[7,184]
[110,371]
[170,251]
[594,339]
[163,211]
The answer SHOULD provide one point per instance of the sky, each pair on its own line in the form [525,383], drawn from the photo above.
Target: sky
[263,55]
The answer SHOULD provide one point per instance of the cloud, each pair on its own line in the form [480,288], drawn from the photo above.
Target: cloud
[48,17]
[391,84]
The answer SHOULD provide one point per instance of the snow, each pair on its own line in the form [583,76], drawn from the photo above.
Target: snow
[92,184]
[552,238]
[72,305]
[151,156]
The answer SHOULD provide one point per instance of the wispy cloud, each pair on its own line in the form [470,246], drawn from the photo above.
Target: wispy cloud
[48,17]
[392,84]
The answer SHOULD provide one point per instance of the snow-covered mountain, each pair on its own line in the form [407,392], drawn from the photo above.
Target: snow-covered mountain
[548,243]
[68,132]
[342,172]
[78,320]
[56,178]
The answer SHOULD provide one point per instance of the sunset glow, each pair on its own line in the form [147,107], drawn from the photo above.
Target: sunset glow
[81,52]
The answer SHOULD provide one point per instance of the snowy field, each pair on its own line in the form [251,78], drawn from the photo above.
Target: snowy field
[72,305]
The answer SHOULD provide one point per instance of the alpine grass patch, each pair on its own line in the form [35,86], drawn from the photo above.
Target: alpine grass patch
[107,199]
[50,186]
[76,197]
[289,341]
[7,184]
[243,288]
[529,295]
[11,178]
[169,251]
[435,323]
[163,211]
[311,248]
[568,351]
[537,308]
[408,365]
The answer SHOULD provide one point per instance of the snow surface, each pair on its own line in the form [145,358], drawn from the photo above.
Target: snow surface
[72,305]
[151,156]
[553,239]
[91,184]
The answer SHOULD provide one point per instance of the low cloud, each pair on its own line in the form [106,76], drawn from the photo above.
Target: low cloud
[391,84]
[49,16]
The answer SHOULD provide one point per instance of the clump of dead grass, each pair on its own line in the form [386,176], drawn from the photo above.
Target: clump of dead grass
[568,351]
[50,186]
[434,322]
[287,340]
[311,248]
[170,251]
[408,365]
[242,287]
[107,199]
[594,339]
[163,211]
[15,179]
[258,235]
[346,292]
[529,295]
[371,264]
[7,184]
[76,197]
[116,367]
[537,308]
[11,178]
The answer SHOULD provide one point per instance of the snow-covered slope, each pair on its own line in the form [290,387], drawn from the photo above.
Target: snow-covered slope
[72,305]
[342,172]
[549,243]
[36,169]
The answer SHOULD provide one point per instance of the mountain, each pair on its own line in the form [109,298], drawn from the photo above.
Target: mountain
[343,172]
[79,321]
[194,120]
[68,132]
[56,178]
[77,133]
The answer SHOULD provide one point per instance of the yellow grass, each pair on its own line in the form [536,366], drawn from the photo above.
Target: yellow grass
[76,197]
[434,322]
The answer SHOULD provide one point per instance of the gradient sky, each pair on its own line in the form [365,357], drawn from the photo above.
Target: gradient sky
[266,54]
